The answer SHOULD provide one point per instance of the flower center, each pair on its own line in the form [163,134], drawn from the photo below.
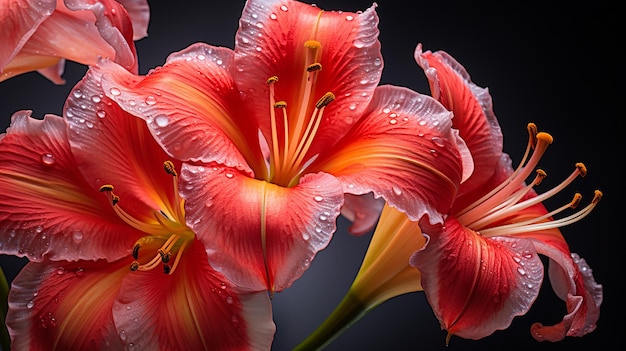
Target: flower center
[509,198]
[293,134]
[167,235]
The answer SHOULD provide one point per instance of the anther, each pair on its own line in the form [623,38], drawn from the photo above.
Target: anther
[136,251]
[532,133]
[541,174]
[314,67]
[165,256]
[114,199]
[106,187]
[576,200]
[280,104]
[134,266]
[325,100]
[167,269]
[312,44]
[597,195]
[582,169]
[272,79]
[169,168]
[545,137]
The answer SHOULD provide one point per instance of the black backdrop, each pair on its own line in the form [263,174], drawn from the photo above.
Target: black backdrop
[555,66]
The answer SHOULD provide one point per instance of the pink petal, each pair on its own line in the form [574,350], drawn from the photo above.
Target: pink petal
[190,104]
[363,211]
[260,235]
[68,303]
[402,149]
[19,19]
[472,108]
[139,13]
[477,285]
[193,308]
[46,207]
[270,42]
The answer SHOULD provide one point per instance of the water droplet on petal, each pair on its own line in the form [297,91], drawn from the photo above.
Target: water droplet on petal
[358,43]
[30,304]
[101,114]
[115,91]
[48,159]
[318,198]
[77,236]
[162,120]
[150,100]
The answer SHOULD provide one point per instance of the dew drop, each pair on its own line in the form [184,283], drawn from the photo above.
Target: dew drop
[96,99]
[397,190]
[39,229]
[77,236]
[123,335]
[150,100]
[229,299]
[273,16]
[48,159]
[283,8]
[201,57]
[30,304]
[229,175]
[393,121]
[115,91]
[521,271]
[162,120]
[352,106]
[306,236]
[77,93]
[349,18]
[318,198]
[60,270]
[358,43]
[101,114]
[438,141]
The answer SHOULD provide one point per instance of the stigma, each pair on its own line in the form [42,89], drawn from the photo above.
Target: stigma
[166,234]
[295,123]
[495,213]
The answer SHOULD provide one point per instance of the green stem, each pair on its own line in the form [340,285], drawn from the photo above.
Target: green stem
[349,311]
[5,340]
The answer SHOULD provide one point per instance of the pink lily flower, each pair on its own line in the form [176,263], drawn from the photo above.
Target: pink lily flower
[482,267]
[92,201]
[42,35]
[274,133]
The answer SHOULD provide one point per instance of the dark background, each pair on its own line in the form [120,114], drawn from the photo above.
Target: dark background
[556,66]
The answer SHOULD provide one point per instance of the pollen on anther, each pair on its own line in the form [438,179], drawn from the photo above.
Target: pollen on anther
[169,168]
[576,200]
[114,199]
[582,169]
[325,100]
[272,79]
[314,67]
[165,257]
[280,104]
[312,44]
[167,269]
[545,137]
[134,266]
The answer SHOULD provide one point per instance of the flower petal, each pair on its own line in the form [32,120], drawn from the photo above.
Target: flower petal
[271,42]
[363,211]
[139,13]
[193,308]
[403,149]
[46,207]
[477,285]
[19,19]
[189,104]
[472,108]
[55,306]
[260,235]
[127,155]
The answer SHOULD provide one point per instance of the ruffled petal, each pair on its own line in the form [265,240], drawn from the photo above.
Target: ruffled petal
[472,108]
[82,31]
[271,42]
[260,235]
[67,306]
[46,207]
[405,151]
[193,308]
[573,281]
[139,13]
[363,211]
[477,285]
[19,19]
[127,156]
[190,104]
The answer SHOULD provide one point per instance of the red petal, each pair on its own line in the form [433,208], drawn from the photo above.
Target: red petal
[477,285]
[403,150]
[270,42]
[68,304]
[260,235]
[190,104]
[193,308]
[473,112]
[46,208]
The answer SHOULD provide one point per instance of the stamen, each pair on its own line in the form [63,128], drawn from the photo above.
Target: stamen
[169,168]
[314,67]
[280,104]
[325,100]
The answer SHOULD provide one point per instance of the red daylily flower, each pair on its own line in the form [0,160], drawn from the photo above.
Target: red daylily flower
[92,201]
[41,35]
[481,268]
[273,133]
